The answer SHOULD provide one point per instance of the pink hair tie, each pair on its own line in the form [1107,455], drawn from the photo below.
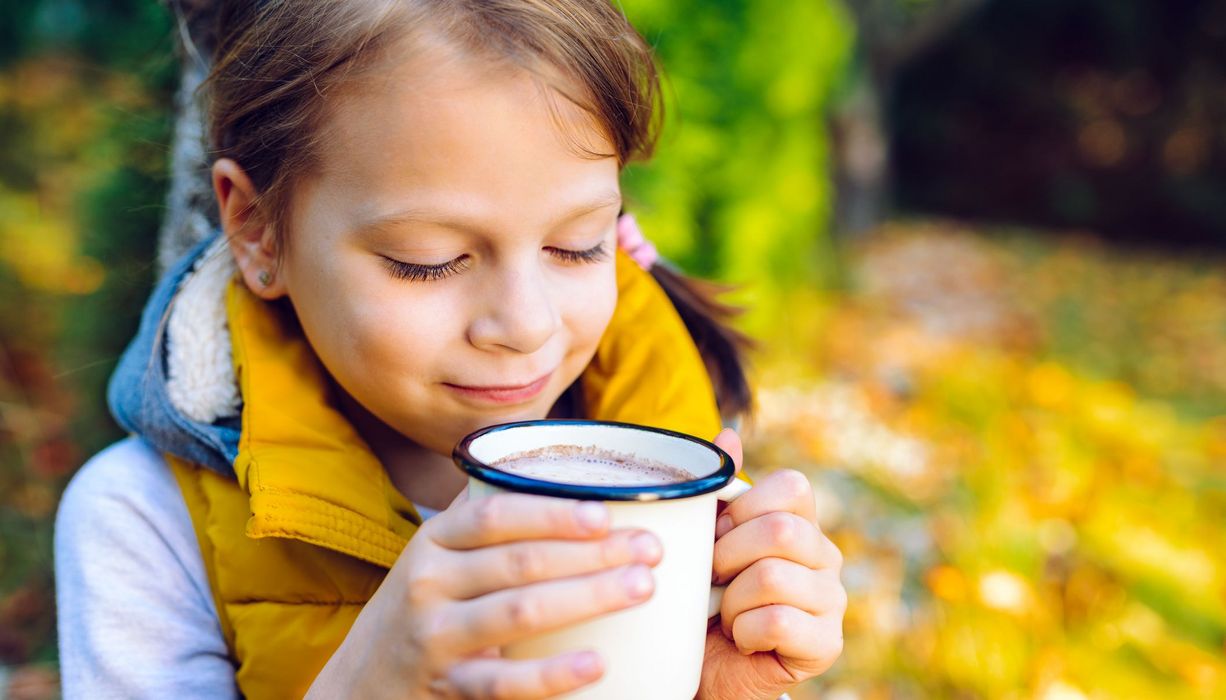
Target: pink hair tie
[630,239]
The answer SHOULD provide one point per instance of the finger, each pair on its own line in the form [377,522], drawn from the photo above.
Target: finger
[783,535]
[504,679]
[730,442]
[507,517]
[478,572]
[786,490]
[774,581]
[805,643]
[505,616]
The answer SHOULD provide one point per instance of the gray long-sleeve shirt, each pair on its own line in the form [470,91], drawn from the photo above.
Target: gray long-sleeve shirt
[136,617]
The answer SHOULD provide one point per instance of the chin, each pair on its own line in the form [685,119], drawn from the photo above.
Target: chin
[467,421]
[519,413]
[513,414]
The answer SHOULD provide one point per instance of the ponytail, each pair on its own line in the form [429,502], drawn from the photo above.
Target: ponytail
[723,348]
[707,319]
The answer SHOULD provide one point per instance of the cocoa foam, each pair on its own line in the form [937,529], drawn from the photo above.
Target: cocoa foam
[591,466]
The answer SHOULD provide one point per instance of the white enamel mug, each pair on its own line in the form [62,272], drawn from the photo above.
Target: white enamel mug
[654,650]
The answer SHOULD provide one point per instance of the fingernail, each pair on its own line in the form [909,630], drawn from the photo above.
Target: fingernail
[591,515]
[723,525]
[646,547]
[637,581]
[586,665]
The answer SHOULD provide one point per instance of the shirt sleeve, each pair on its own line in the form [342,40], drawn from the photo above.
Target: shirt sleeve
[136,616]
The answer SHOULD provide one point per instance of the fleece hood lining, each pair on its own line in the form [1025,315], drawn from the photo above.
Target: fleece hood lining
[201,382]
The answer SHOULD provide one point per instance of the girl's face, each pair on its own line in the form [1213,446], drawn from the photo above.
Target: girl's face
[453,239]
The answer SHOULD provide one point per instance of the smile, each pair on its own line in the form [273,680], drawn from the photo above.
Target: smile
[508,394]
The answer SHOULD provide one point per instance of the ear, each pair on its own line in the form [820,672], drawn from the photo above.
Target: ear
[252,239]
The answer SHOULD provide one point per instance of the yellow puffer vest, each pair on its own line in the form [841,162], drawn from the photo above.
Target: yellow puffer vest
[297,545]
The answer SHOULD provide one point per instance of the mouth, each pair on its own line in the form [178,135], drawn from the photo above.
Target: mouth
[503,394]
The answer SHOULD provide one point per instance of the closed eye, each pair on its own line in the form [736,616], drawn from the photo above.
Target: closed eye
[414,272]
[598,253]
[423,273]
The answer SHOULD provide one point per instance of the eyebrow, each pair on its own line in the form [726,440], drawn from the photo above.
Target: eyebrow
[458,221]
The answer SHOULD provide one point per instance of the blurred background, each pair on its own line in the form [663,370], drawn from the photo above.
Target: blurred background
[983,243]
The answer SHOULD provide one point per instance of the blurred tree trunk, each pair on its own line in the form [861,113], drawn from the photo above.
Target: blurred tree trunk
[190,210]
[892,33]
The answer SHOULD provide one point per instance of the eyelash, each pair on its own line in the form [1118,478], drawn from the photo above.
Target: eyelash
[424,273]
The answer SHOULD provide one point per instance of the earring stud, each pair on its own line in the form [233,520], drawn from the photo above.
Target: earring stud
[265,277]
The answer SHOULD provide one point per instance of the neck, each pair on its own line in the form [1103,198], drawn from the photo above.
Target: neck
[421,475]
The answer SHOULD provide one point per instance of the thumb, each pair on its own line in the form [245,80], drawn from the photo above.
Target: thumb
[730,442]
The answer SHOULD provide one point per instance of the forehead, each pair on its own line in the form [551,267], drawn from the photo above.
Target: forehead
[437,124]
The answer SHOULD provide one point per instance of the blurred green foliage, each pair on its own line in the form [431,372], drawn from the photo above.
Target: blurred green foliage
[739,186]
[84,113]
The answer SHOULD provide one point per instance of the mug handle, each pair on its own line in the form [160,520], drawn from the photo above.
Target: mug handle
[728,493]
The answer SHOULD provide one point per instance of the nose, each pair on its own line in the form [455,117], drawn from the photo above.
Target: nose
[517,312]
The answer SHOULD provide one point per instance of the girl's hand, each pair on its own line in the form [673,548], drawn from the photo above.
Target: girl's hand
[781,621]
[482,574]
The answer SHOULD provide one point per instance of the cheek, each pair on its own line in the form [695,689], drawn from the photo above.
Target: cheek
[369,329]
[399,334]
[589,307]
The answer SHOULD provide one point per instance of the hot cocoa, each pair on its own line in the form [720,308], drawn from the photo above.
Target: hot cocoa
[594,466]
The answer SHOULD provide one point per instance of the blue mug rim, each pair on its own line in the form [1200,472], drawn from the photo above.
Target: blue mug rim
[463,458]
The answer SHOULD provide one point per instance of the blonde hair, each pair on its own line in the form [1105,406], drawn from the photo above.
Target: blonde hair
[275,61]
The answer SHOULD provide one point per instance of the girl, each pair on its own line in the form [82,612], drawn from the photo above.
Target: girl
[418,207]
